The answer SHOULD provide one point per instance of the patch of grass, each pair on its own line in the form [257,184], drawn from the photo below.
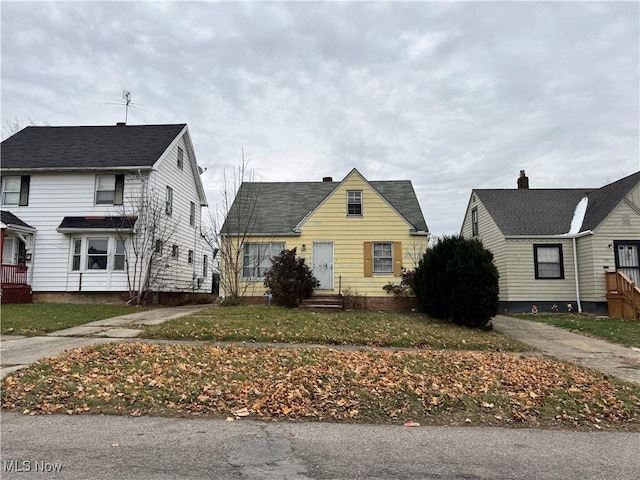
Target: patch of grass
[432,387]
[274,324]
[616,330]
[41,318]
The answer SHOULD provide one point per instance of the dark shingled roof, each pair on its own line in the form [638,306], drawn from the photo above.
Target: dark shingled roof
[276,208]
[9,218]
[87,147]
[550,211]
[97,223]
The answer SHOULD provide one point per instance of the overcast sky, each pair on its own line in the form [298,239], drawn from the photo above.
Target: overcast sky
[452,96]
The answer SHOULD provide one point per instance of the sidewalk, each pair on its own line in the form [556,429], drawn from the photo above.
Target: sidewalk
[617,360]
[19,351]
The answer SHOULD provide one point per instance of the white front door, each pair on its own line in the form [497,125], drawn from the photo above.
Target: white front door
[9,253]
[323,264]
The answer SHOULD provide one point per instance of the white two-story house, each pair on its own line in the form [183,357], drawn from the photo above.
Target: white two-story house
[102,213]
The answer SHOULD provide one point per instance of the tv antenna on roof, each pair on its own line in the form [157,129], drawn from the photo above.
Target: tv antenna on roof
[126,101]
[126,96]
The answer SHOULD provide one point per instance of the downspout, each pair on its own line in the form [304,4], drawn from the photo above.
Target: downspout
[575,268]
[575,264]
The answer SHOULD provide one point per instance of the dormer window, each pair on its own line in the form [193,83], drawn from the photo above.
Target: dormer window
[354,203]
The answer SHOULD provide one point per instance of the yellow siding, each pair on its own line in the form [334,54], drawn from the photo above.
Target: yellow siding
[492,239]
[330,223]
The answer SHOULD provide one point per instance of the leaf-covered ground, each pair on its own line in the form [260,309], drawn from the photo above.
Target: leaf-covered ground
[392,329]
[428,386]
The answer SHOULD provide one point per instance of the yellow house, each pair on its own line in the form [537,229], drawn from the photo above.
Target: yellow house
[356,235]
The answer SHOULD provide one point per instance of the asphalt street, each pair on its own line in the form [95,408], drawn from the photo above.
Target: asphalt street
[112,447]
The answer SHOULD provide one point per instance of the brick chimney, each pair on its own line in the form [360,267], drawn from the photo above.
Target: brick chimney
[120,124]
[327,179]
[523,180]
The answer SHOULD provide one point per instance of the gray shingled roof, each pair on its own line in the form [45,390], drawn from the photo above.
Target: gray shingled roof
[87,147]
[9,218]
[276,208]
[550,211]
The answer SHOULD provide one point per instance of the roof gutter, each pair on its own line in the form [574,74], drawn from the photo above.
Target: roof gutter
[76,169]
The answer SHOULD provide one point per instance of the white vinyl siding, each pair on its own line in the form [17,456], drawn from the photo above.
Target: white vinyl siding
[53,196]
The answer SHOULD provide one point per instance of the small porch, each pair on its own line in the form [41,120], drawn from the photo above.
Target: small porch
[623,296]
[16,243]
[14,287]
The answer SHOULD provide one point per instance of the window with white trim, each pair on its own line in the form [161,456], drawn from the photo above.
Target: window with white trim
[15,190]
[180,158]
[257,258]
[91,253]
[205,266]
[169,201]
[382,257]
[548,261]
[192,214]
[354,203]
[109,189]
[190,256]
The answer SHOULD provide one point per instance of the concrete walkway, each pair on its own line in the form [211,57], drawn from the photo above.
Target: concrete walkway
[19,351]
[617,360]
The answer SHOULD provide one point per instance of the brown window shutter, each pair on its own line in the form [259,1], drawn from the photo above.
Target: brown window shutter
[397,259]
[24,190]
[368,259]
[119,194]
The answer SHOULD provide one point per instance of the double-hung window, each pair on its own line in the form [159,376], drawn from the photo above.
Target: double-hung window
[548,261]
[354,203]
[180,158]
[257,258]
[109,189]
[192,214]
[474,221]
[15,190]
[382,257]
[205,266]
[169,201]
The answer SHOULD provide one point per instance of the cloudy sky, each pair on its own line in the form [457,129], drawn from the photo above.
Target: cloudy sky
[452,96]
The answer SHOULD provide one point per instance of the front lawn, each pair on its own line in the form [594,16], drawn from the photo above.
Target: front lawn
[41,318]
[274,324]
[617,330]
[431,387]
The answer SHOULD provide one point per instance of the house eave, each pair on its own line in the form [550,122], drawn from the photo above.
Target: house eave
[94,230]
[76,169]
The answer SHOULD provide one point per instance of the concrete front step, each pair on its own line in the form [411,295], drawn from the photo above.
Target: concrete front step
[323,302]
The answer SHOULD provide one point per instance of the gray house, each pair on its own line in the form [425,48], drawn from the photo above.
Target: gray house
[555,247]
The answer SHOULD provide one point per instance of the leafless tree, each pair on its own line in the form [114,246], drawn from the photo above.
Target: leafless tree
[233,223]
[149,255]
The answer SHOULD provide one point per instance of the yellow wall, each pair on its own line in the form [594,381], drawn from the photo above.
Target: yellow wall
[330,223]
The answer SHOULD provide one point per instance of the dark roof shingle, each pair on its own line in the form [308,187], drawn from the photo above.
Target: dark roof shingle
[550,211]
[87,147]
[9,218]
